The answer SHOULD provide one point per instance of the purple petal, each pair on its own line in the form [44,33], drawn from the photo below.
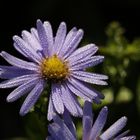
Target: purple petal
[58,120]
[83,52]
[87,111]
[50,138]
[88,79]
[67,41]
[51,110]
[32,98]
[114,129]
[18,62]
[21,90]
[31,40]
[9,72]
[60,37]
[35,34]
[83,88]
[49,34]
[69,48]
[55,131]
[87,119]
[122,135]
[99,124]
[61,123]
[57,99]
[38,52]
[26,48]
[78,93]
[43,38]
[60,132]
[128,138]
[70,102]
[69,123]
[17,47]
[17,81]
[97,100]
[90,75]
[86,63]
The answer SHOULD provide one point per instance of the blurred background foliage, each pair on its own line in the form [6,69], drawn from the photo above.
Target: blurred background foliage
[121,65]
[112,25]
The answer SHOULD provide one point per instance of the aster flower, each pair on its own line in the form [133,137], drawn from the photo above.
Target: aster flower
[52,60]
[65,129]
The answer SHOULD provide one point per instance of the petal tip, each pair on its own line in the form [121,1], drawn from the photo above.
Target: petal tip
[15,37]
[8,99]
[95,47]
[38,20]
[81,31]
[74,29]
[105,108]
[22,112]
[124,118]
[47,23]
[63,23]
[2,53]
[60,111]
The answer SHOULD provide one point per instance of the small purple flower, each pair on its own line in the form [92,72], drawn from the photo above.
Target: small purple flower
[52,60]
[65,129]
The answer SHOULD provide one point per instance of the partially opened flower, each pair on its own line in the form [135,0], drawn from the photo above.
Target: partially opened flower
[52,60]
[93,131]
[65,129]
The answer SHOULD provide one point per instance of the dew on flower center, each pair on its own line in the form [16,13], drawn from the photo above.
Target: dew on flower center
[54,68]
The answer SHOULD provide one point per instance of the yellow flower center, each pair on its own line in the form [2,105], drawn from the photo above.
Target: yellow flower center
[54,68]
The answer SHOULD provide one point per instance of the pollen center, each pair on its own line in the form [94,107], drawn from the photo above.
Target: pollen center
[54,68]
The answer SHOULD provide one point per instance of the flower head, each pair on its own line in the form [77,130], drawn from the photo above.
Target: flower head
[54,69]
[65,129]
[52,60]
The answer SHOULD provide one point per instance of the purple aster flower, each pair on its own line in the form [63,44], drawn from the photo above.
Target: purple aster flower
[65,129]
[52,60]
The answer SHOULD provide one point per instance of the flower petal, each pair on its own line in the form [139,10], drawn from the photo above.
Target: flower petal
[57,99]
[69,123]
[21,90]
[122,135]
[90,75]
[67,41]
[87,62]
[31,40]
[114,129]
[43,37]
[49,34]
[83,88]
[59,131]
[60,37]
[128,138]
[86,51]
[78,93]
[99,124]
[17,47]
[51,110]
[24,47]
[87,78]
[87,119]
[9,72]
[35,34]
[69,48]
[18,62]
[32,98]
[50,138]
[17,81]
[70,101]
